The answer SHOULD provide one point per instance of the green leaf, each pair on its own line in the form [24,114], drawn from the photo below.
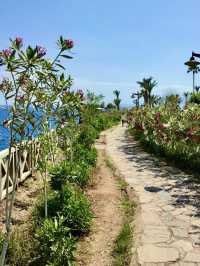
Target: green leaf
[62,77]
[59,65]
[30,52]
[67,56]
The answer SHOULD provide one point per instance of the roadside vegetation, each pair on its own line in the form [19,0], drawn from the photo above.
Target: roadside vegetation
[41,92]
[167,127]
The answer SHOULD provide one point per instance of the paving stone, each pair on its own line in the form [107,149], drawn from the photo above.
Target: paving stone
[194,230]
[195,240]
[151,253]
[154,264]
[155,234]
[165,196]
[184,218]
[179,232]
[178,211]
[175,222]
[195,222]
[145,198]
[168,208]
[192,256]
[150,217]
[186,246]
[187,264]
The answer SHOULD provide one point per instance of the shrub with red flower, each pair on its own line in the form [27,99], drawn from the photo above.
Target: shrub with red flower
[174,132]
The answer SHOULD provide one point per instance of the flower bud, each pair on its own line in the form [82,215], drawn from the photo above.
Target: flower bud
[69,44]
[7,52]
[41,51]
[19,41]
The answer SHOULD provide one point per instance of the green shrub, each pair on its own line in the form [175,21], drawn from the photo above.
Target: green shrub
[76,209]
[81,153]
[78,173]
[88,135]
[72,204]
[39,212]
[1,240]
[101,120]
[195,97]
[56,243]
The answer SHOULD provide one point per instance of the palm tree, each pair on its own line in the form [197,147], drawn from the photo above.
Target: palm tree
[193,66]
[147,85]
[155,100]
[117,100]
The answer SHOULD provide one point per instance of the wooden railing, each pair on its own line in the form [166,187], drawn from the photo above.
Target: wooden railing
[26,161]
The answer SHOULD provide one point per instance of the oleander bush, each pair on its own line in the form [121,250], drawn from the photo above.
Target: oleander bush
[81,153]
[195,97]
[170,132]
[76,209]
[72,204]
[78,173]
[56,243]
[87,136]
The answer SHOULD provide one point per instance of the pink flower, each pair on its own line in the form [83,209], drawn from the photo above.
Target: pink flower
[41,51]
[7,52]
[19,41]
[69,44]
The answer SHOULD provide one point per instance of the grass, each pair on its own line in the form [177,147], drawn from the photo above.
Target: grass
[110,164]
[121,252]
[123,243]
[122,247]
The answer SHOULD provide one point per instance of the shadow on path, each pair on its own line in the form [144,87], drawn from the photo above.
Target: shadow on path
[182,189]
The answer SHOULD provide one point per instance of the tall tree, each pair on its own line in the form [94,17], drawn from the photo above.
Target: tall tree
[193,66]
[147,85]
[117,100]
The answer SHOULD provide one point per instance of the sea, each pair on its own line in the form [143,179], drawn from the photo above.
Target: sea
[4,133]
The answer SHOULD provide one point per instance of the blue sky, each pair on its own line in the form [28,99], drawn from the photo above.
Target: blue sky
[117,42]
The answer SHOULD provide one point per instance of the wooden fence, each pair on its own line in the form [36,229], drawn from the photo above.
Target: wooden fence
[26,161]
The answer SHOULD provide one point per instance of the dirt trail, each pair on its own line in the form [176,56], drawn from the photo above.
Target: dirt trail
[96,248]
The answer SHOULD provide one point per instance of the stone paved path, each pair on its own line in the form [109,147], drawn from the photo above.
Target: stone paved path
[168,225]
